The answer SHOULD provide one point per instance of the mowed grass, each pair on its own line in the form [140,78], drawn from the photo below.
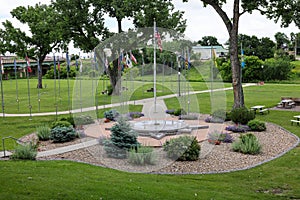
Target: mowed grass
[83,93]
[277,179]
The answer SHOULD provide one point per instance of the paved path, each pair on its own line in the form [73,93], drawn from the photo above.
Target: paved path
[139,102]
[148,108]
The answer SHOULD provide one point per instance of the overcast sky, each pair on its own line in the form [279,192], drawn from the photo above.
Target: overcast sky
[200,21]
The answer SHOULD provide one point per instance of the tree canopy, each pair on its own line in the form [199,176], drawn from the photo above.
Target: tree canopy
[285,11]
[44,25]
[209,41]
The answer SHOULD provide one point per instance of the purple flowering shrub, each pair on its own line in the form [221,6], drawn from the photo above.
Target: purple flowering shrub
[238,128]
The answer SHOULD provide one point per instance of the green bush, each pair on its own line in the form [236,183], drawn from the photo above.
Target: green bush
[24,152]
[184,148]
[43,132]
[63,134]
[122,139]
[109,89]
[180,111]
[247,144]
[111,114]
[83,120]
[142,156]
[242,115]
[256,125]
[69,119]
[219,114]
[60,124]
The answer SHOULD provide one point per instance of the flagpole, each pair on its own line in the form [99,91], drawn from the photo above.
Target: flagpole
[55,96]
[17,89]
[80,72]
[68,69]
[154,65]
[39,96]
[1,79]
[28,89]
[58,76]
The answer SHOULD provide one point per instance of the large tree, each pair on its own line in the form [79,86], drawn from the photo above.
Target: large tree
[83,23]
[285,10]
[44,25]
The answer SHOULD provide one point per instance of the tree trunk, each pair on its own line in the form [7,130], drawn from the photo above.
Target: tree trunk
[236,72]
[115,78]
[236,68]
[119,25]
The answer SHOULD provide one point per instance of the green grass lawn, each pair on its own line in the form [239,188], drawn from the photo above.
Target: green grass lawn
[277,179]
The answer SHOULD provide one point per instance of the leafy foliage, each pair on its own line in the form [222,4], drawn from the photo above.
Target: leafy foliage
[43,132]
[222,137]
[183,148]
[142,156]
[242,115]
[60,124]
[256,125]
[83,120]
[179,111]
[24,152]
[63,134]
[238,128]
[247,144]
[122,139]
[111,114]
[62,73]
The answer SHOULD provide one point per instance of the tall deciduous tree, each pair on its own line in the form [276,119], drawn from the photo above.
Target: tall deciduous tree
[83,23]
[285,10]
[44,25]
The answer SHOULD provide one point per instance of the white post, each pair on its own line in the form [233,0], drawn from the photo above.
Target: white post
[154,65]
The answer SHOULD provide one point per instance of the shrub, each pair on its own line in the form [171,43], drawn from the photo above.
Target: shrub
[241,115]
[171,112]
[133,115]
[83,120]
[109,89]
[111,114]
[63,134]
[222,137]
[43,132]
[247,144]
[183,148]
[60,124]
[238,128]
[122,139]
[24,152]
[213,120]
[219,114]
[69,119]
[143,155]
[179,111]
[256,125]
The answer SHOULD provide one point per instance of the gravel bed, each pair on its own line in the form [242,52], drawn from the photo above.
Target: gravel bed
[213,158]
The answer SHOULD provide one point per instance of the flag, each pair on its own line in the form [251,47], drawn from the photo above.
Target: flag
[106,64]
[214,57]
[158,39]
[2,66]
[133,58]
[58,64]
[39,67]
[243,61]
[121,61]
[54,62]
[76,64]
[128,61]
[95,61]
[28,65]
[68,62]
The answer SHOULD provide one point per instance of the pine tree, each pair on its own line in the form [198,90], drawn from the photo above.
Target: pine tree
[122,139]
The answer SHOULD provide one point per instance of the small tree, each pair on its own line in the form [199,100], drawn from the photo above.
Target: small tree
[122,139]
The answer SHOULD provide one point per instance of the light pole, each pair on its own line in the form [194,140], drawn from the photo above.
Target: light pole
[262,73]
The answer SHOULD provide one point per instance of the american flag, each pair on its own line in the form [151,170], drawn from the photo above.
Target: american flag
[28,65]
[158,39]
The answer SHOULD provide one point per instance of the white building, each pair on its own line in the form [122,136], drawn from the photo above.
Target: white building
[206,52]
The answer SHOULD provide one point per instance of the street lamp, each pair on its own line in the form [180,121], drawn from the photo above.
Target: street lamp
[262,72]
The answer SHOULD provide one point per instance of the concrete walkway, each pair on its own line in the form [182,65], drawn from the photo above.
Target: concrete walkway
[150,111]
[139,102]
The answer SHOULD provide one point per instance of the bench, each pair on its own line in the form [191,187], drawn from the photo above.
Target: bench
[264,111]
[150,90]
[295,121]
